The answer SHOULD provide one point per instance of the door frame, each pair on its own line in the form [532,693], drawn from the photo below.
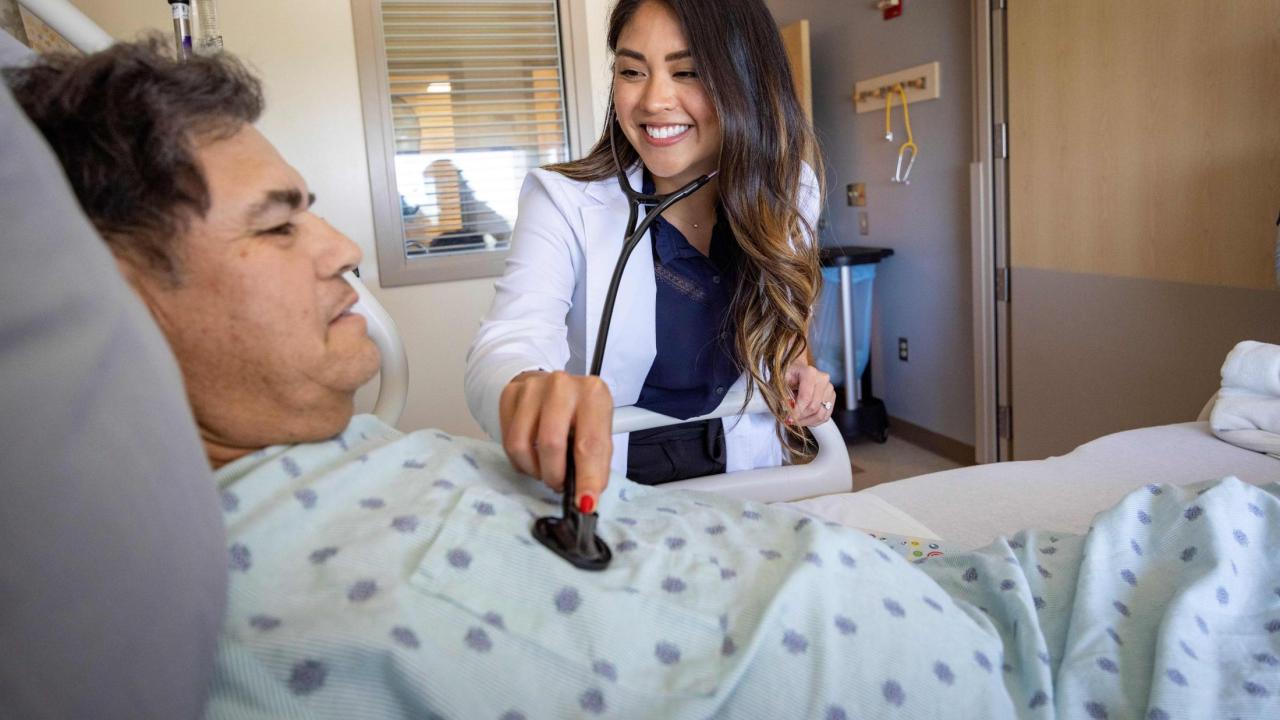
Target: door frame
[989,236]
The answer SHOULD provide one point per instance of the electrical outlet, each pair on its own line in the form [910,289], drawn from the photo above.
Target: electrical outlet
[902,349]
[864,223]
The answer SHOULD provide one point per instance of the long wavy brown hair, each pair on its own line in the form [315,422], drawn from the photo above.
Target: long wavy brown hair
[767,139]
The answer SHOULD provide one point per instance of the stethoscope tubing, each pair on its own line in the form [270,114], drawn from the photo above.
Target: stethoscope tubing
[635,232]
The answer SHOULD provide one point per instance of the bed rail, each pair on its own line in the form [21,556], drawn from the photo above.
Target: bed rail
[70,23]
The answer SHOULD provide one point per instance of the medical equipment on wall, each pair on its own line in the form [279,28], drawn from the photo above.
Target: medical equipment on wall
[210,42]
[573,536]
[181,11]
[910,85]
[899,175]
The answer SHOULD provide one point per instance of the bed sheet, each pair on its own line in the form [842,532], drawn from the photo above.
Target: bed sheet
[968,507]
[864,511]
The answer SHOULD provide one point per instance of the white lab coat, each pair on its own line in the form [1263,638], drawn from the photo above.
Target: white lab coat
[546,313]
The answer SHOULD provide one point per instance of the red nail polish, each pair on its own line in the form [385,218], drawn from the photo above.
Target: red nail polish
[586,503]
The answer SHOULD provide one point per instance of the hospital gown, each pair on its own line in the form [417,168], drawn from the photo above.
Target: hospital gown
[386,575]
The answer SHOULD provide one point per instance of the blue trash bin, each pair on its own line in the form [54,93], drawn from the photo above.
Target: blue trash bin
[825,333]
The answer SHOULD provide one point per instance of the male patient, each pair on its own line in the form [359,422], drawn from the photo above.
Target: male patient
[376,574]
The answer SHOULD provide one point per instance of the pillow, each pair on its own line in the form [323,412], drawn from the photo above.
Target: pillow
[12,52]
[113,569]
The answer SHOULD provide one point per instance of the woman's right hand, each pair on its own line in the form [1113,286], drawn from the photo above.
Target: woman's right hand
[538,410]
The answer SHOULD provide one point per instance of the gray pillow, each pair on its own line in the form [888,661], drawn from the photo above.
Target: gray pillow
[113,568]
[12,52]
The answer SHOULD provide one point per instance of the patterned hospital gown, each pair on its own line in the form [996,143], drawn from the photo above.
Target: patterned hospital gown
[383,575]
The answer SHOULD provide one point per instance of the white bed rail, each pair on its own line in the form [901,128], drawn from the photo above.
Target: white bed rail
[70,23]
[829,472]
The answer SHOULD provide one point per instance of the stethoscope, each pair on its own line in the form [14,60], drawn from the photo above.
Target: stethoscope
[573,536]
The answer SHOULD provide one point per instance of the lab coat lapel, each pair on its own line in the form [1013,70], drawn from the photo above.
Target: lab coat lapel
[631,346]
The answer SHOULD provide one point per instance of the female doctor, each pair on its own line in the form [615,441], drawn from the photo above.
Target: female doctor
[719,299]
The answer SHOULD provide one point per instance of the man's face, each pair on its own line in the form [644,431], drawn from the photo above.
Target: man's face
[261,322]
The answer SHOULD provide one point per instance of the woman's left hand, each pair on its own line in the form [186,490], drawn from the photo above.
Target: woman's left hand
[814,395]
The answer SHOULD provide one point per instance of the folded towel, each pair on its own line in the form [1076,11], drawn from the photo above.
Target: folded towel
[1248,420]
[1253,366]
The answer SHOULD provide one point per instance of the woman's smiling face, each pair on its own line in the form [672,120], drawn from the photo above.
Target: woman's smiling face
[661,103]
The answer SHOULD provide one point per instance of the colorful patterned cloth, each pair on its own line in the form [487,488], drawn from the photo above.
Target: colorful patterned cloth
[381,575]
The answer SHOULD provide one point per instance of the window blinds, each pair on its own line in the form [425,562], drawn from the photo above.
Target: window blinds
[477,100]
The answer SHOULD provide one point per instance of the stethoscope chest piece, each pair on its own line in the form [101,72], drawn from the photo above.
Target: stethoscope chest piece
[573,537]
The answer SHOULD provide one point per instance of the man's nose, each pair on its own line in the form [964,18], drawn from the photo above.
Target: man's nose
[337,252]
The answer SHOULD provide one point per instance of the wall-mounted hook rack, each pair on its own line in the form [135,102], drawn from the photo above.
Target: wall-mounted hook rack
[920,82]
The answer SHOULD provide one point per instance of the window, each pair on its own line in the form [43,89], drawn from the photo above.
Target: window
[461,100]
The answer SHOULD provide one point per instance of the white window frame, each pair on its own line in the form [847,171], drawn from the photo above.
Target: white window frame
[395,267]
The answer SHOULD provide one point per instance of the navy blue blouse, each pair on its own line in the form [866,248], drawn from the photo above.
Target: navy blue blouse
[695,362]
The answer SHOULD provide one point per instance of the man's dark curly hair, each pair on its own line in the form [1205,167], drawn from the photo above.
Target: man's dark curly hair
[125,123]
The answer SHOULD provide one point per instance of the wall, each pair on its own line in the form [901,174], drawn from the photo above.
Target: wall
[305,55]
[1144,183]
[596,14]
[923,292]
[1160,119]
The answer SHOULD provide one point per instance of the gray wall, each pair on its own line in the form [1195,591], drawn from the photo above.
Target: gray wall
[923,292]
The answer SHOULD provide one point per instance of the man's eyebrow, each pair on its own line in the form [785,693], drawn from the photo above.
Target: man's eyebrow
[290,198]
[671,57]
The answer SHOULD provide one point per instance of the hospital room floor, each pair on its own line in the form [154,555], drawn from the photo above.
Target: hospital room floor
[874,463]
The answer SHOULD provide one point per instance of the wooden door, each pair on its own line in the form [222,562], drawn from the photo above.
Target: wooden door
[795,36]
[1144,183]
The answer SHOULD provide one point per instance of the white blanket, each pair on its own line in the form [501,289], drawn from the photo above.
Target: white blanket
[1246,412]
